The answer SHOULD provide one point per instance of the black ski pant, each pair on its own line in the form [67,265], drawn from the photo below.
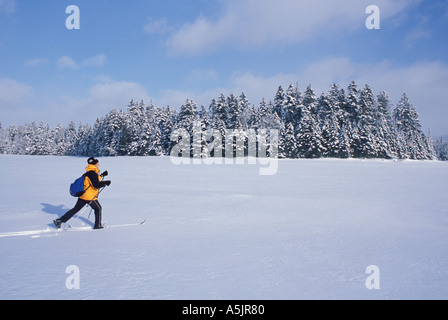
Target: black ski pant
[96,206]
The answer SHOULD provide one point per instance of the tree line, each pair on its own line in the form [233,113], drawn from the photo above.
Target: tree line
[343,123]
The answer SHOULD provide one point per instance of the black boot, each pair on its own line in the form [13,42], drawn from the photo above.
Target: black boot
[57,223]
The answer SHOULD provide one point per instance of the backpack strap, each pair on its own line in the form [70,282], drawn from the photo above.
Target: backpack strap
[85,176]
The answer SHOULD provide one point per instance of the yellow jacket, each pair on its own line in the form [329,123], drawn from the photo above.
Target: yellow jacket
[92,183]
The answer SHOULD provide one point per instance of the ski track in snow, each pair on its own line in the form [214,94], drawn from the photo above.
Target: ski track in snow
[225,232]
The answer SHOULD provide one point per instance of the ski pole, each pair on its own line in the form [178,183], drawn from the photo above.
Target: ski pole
[88,204]
[88,218]
[80,214]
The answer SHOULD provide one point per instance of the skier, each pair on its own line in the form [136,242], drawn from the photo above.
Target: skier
[93,182]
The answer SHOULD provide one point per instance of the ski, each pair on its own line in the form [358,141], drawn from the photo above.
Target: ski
[125,225]
[68,228]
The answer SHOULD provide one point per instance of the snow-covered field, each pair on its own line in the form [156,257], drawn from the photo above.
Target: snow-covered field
[227,232]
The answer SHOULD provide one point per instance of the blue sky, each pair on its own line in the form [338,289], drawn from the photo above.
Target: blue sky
[168,51]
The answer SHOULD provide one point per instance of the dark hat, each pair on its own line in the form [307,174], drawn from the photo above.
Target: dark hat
[92,161]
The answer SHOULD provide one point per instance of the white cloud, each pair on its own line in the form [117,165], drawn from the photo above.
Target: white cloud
[248,23]
[15,97]
[421,31]
[176,98]
[37,62]
[97,61]
[20,104]
[416,35]
[102,97]
[67,62]
[202,76]
[117,92]
[13,93]
[320,75]
[156,26]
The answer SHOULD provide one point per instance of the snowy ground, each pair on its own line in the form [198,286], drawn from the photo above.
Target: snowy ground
[226,232]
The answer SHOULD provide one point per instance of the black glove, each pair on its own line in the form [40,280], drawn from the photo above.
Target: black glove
[107,182]
[105,173]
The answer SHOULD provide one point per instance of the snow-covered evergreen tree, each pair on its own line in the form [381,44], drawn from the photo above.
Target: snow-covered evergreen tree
[110,134]
[254,117]
[290,106]
[329,125]
[58,144]
[246,111]
[441,149]
[84,141]
[235,113]
[219,116]
[69,139]
[136,131]
[219,111]
[278,103]
[156,148]
[351,105]
[413,144]
[309,140]
[204,126]
[39,143]
[166,119]
[14,140]
[289,142]
[366,143]
[269,118]
[310,102]
[385,127]
[187,115]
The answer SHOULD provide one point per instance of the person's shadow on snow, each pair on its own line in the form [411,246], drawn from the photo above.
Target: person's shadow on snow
[51,209]
[60,211]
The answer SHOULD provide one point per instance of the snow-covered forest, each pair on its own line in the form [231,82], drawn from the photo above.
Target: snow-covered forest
[350,123]
[441,147]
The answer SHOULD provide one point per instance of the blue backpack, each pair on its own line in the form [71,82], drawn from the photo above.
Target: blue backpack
[77,187]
